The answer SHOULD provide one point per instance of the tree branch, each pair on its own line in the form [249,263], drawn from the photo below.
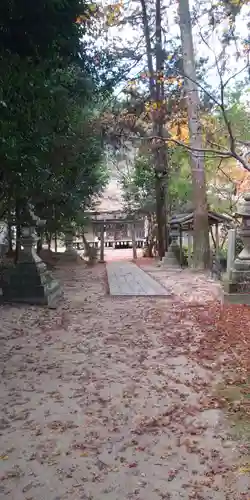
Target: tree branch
[213,152]
[221,105]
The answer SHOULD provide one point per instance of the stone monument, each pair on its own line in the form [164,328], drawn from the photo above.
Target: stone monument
[29,281]
[70,253]
[169,259]
[237,281]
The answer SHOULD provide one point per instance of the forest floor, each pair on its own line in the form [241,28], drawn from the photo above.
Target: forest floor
[125,398]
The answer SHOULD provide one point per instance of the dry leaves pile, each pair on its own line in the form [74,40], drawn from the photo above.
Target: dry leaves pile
[226,332]
[223,348]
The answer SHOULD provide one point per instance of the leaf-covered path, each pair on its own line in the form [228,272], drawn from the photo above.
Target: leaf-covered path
[104,399]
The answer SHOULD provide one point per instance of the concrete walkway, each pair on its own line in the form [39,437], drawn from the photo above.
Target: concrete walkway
[125,278]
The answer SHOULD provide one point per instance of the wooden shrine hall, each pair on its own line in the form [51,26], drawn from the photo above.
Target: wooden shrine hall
[115,229]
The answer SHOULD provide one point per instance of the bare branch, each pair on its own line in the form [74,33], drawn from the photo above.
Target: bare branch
[211,152]
[214,152]
[216,145]
[221,105]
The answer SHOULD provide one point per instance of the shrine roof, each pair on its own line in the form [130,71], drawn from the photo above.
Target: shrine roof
[187,219]
[113,216]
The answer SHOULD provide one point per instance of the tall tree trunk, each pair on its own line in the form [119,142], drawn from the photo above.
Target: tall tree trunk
[10,231]
[150,236]
[56,241]
[49,239]
[86,244]
[156,96]
[161,169]
[201,258]
[39,245]
[18,229]
[10,234]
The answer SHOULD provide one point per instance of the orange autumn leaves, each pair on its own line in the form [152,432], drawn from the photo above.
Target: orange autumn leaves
[153,107]
[180,132]
[91,11]
[110,13]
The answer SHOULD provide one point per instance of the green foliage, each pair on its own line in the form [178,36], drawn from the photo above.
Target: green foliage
[51,94]
[47,137]
[180,184]
[237,115]
[139,184]
[44,29]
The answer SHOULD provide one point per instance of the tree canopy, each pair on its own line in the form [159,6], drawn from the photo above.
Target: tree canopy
[58,68]
[138,184]
[51,92]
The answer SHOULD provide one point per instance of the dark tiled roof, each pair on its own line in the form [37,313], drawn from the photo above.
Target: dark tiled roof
[188,218]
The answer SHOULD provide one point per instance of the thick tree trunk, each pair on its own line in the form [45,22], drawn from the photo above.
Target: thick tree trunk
[49,239]
[55,241]
[18,230]
[156,96]
[10,231]
[201,253]
[161,160]
[86,244]
[10,234]
[39,245]
[148,250]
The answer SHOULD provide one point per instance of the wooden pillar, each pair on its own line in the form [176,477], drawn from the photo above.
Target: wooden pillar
[180,232]
[114,235]
[217,240]
[102,244]
[133,241]
[189,248]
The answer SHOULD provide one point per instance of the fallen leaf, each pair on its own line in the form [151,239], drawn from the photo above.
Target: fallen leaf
[244,470]
[132,465]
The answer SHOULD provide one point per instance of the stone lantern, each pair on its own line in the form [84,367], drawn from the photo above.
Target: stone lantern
[174,234]
[70,252]
[169,258]
[242,263]
[237,286]
[28,242]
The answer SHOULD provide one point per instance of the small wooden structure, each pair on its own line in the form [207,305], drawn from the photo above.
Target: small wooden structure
[181,223]
[103,221]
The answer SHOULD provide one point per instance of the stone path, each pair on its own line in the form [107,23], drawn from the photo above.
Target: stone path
[190,287]
[108,399]
[125,278]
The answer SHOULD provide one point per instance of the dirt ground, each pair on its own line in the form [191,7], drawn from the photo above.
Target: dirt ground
[106,399]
